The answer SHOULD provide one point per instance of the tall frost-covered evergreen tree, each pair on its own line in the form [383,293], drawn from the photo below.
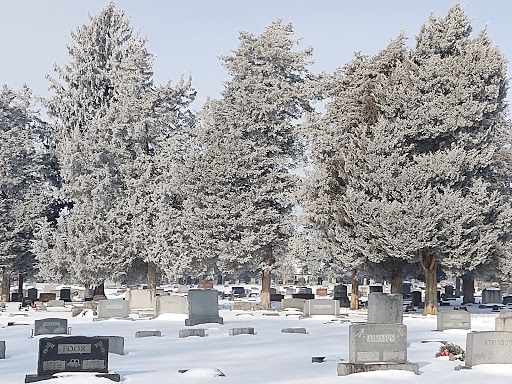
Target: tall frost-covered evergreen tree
[110,126]
[428,192]
[251,201]
[26,179]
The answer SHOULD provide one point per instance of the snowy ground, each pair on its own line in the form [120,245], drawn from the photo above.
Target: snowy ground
[267,357]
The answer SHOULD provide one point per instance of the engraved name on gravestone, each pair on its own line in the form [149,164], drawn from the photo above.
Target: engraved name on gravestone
[72,354]
[203,307]
[50,326]
[488,347]
[371,343]
[384,308]
[113,308]
[453,320]
[171,304]
[321,307]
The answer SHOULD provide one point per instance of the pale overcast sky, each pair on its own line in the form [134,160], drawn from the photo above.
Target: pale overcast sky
[187,37]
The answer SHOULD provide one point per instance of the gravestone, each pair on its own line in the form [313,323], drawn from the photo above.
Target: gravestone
[305,290]
[453,320]
[72,354]
[65,295]
[171,304]
[276,297]
[27,301]
[55,303]
[491,296]
[241,306]
[340,294]
[488,347]
[384,308]
[293,330]
[504,322]
[200,332]
[113,309]
[140,298]
[449,292]
[416,298]
[321,307]
[240,291]
[406,290]
[293,303]
[376,288]
[205,286]
[273,291]
[241,331]
[321,291]
[115,344]
[141,334]
[289,291]
[371,343]
[305,296]
[47,296]
[507,300]
[183,289]
[2,349]
[50,326]
[203,307]
[32,294]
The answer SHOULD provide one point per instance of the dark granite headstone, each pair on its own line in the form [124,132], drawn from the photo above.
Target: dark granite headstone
[2,349]
[65,294]
[50,326]
[15,297]
[72,354]
[376,288]
[416,298]
[32,293]
[27,301]
[406,290]
[449,292]
[507,300]
[340,294]
[46,297]
[276,297]
[305,296]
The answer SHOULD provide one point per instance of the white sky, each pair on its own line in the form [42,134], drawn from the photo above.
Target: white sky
[188,36]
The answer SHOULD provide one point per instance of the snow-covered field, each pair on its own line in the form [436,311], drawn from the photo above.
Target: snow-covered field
[269,356]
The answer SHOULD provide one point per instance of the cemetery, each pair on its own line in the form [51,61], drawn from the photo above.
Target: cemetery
[331,341]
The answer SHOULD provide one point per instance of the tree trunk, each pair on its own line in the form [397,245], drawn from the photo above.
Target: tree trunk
[396,277]
[429,265]
[266,274]
[457,287]
[6,285]
[152,277]
[20,287]
[354,296]
[468,289]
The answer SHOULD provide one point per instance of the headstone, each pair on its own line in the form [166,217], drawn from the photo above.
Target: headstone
[289,291]
[205,286]
[449,292]
[241,306]
[305,296]
[200,332]
[453,320]
[27,301]
[140,334]
[384,308]
[2,349]
[15,297]
[32,293]
[416,298]
[273,291]
[293,303]
[276,297]
[321,307]
[253,280]
[115,344]
[55,303]
[88,294]
[305,290]
[491,296]
[183,289]
[50,326]
[372,343]
[72,354]
[171,304]
[293,330]
[238,291]
[113,309]
[406,290]
[504,322]
[340,294]
[203,307]
[321,291]
[65,295]
[488,347]
[99,298]
[507,300]
[140,298]
[376,288]
[301,281]
[241,331]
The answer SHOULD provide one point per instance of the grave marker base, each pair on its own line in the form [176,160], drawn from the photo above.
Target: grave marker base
[190,322]
[345,369]
[35,378]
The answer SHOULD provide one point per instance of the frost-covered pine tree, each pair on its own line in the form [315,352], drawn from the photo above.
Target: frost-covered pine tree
[250,203]
[428,192]
[110,125]
[26,179]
